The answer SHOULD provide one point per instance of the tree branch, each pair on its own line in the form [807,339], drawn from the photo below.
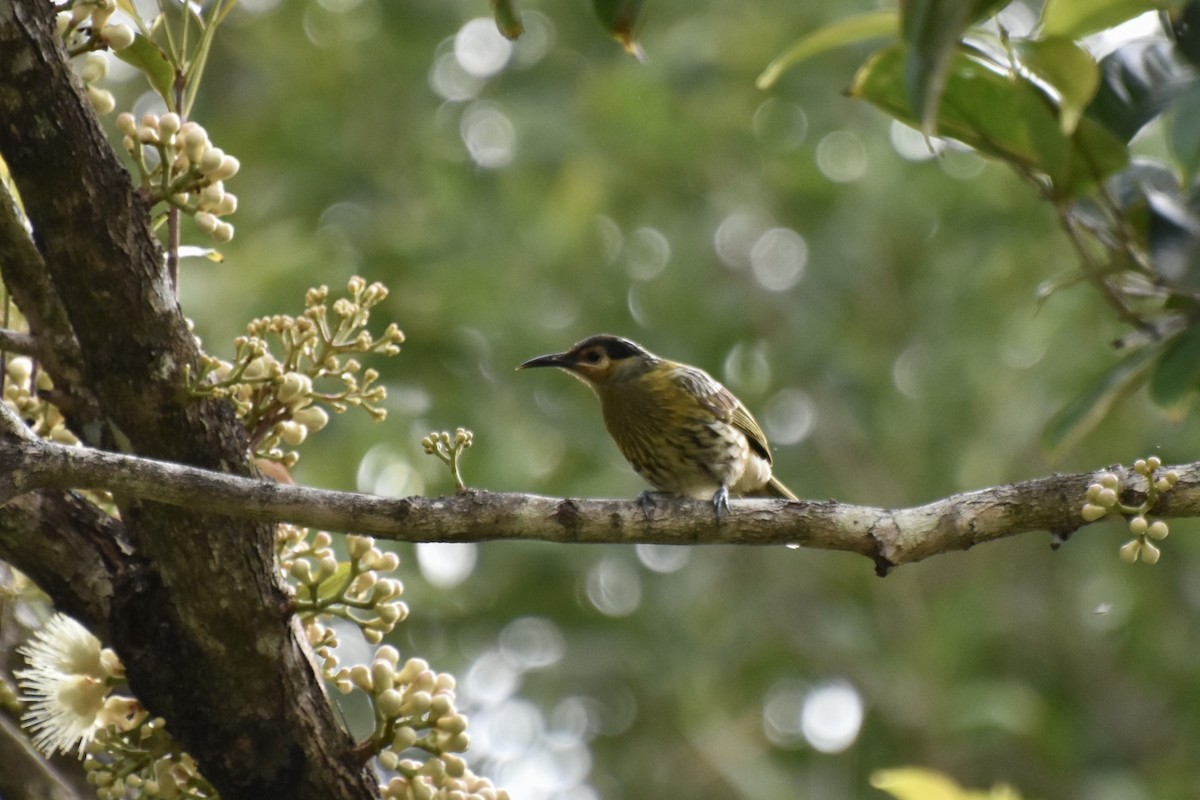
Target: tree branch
[890,537]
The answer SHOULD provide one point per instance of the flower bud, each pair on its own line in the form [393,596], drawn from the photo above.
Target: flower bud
[326,567]
[169,124]
[195,141]
[19,370]
[1130,550]
[227,204]
[1150,553]
[1157,530]
[210,160]
[102,100]
[452,724]
[382,674]
[302,570]
[1092,512]
[223,232]
[95,68]
[292,433]
[211,195]
[228,167]
[259,367]
[417,703]
[390,613]
[389,702]
[361,676]
[404,738]
[455,766]
[206,221]
[125,123]
[294,386]
[118,36]
[1138,525]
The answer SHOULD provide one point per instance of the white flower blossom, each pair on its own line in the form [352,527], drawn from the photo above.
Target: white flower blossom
[66,685]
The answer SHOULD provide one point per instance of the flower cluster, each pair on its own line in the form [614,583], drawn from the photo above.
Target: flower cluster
[69,690]
[178,165]
[85,28]
[449,449]
[1103,498]
[354,590]
[279,392]
[24,388]
[415,713]
[142,762]
[418,731]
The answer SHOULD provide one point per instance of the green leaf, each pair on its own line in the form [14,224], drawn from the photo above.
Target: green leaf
[1001,114]
[1075,19]
[1067,67]
[932,29]
[844,32]
[1140,80]
[1183,134]
[1081,415]
[153,62]
[508,20]
[1178,373]
[335,582]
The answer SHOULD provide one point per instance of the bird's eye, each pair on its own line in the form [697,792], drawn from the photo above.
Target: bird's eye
[593,356]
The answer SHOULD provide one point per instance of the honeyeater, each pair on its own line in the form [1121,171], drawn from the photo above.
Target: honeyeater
[680,429]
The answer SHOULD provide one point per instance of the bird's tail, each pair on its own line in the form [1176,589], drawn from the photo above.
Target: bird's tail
[774,488]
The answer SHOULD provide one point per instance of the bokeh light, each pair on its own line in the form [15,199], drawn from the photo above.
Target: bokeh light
[489,135]
[613,587]
[446,564]
[480,49]
[841,157]
[778,259]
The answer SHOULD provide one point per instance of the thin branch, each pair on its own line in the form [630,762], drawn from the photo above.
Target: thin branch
[890,537]
[25,276]
[19,343]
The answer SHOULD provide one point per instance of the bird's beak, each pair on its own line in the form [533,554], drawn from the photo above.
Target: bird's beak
[551,360]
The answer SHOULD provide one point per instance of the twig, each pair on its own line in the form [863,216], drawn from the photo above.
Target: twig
[20,343]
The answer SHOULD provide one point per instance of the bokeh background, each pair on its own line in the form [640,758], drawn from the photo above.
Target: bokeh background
[876,306]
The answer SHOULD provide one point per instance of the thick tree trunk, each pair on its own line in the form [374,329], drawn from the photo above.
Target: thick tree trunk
[191,602]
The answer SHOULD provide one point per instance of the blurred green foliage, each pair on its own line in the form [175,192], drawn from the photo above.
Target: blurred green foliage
[887,334]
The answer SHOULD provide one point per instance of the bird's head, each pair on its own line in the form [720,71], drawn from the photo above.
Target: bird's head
[599,360]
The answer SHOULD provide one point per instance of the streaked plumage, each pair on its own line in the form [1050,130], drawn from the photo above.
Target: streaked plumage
[680,429]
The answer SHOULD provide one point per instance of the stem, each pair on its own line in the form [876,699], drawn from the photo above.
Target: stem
[1094,272]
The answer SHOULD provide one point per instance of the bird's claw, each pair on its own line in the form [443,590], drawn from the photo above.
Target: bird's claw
[720,502]
[646,501]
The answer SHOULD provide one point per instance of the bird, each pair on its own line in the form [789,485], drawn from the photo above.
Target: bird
[681,431]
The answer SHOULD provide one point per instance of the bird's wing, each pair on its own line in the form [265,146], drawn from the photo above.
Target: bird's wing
[721,402]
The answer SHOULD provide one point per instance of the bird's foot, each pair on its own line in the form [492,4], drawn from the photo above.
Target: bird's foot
[646,501]
[720,502]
